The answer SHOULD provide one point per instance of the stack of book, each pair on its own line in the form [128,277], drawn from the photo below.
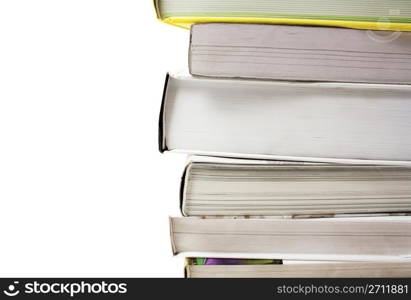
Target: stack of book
[297,117]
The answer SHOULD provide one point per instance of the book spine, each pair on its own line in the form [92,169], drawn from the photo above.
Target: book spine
[190,52]
[173,246]
[157,9]
[183,185]
[161,135]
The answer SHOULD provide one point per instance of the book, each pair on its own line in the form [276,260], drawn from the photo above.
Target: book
[361,14]
[232,261]
[242,188]
[299,53]
[323,122]
[361,239]
[297,269]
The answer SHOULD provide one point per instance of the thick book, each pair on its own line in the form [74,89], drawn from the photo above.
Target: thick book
[300,53]
[323,122]
[244,188]
[361,14]
[362,239]
[299,270]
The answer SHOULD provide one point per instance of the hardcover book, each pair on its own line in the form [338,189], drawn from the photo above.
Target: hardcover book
[380,239]
[293,190]
[323,122]
[361,14]
[300,53]
[240,268]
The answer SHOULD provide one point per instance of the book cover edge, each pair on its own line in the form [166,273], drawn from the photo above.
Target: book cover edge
[162,146]
[183,185]
[186,22]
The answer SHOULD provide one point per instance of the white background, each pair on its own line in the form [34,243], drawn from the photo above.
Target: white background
[83,188]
